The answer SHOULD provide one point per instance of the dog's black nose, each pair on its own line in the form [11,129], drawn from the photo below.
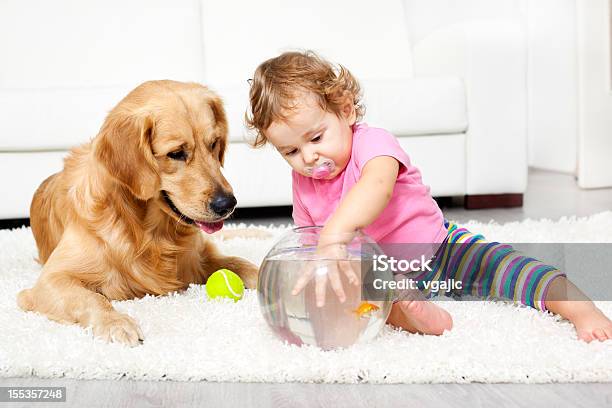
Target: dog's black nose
[222,204]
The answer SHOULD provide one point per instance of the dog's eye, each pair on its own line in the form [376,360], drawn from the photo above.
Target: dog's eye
[178,155]
[214,144]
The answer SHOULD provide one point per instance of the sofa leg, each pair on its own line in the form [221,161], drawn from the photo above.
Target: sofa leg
[480,201]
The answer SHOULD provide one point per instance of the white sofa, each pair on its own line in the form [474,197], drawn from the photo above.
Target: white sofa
[449,84]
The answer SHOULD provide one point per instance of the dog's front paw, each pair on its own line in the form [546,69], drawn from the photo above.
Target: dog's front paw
[248,273]
[119,328]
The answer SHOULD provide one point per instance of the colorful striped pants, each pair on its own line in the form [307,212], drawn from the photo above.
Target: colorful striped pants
[489,270]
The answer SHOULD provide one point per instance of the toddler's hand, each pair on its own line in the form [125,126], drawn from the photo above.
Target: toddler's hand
[329,261]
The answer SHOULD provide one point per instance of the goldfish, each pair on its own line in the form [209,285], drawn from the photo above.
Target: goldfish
[365,309]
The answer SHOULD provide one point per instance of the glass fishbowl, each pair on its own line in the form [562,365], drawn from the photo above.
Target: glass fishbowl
[303,261]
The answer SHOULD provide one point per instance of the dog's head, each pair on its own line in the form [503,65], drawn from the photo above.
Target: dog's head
[165,141]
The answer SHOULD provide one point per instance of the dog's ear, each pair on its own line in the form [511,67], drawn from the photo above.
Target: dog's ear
[123,147]
[216,105]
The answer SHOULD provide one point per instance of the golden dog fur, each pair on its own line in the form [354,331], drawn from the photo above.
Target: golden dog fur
[104,229]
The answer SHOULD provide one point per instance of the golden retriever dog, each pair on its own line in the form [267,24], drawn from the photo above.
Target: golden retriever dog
[125,216]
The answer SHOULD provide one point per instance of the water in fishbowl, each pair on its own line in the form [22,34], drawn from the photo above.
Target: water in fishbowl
[296,318]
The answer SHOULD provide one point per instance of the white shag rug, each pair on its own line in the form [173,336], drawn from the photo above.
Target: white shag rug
[188,338]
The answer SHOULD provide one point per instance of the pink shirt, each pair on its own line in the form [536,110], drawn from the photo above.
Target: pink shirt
[411,216]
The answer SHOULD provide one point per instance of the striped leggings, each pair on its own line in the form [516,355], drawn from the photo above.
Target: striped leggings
[489,269]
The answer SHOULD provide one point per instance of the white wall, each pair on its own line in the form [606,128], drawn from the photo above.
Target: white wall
[425,16]
[552,110]
[552,84]
[595,94]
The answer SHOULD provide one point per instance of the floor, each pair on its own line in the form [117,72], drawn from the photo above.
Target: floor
[549,195]
[117,394]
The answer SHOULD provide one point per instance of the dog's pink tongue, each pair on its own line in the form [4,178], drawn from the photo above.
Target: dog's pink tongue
[210,227]
[321,172]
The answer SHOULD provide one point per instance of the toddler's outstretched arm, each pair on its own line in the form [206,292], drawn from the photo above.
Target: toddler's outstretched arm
[367,198]
[361,206]
[358,209]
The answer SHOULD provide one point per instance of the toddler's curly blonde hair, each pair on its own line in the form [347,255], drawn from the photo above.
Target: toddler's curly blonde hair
[279,81]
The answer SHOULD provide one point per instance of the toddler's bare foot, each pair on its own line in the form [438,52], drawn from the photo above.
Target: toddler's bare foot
[565,299]
[591,323]
[420,316]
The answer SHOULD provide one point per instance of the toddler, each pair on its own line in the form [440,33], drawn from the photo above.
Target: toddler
[349,176]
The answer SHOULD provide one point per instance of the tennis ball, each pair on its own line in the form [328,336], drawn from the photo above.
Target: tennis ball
[224,283]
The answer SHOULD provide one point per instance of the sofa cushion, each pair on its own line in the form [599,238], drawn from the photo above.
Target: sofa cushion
[65,64]
[409,107]
[66,44]
[420,106]
[53,119]
[60,119]
[32,168]
[369,38]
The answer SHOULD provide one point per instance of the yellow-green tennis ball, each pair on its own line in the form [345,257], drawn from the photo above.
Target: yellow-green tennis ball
[224,283]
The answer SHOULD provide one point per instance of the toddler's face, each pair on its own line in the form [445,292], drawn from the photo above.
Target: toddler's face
[312,139]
